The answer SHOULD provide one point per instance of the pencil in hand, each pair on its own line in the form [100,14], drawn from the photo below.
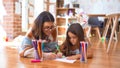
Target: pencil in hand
[58,49]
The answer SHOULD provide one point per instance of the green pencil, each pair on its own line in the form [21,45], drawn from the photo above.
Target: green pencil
[58,48]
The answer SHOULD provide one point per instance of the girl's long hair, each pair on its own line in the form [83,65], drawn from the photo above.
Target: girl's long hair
[76,29]
[37,30]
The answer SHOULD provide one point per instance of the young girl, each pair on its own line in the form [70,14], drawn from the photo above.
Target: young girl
[71,46]
[42,29]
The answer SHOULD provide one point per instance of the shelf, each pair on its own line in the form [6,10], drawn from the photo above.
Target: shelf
[61,40]
[61,30]
[64,16]
[65,8]
[64,20]
[49,3]
[61,21]
[61,36]
[62,9]
[63,26]
[59,3]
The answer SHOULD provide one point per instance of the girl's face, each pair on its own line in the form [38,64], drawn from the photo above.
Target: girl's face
[48,27]
[73,38]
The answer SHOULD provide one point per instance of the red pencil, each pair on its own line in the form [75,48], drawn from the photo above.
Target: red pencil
[35,61]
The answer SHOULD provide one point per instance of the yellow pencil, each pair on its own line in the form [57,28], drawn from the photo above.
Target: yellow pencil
[38,47]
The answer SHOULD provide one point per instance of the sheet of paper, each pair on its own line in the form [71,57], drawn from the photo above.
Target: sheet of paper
[65,60]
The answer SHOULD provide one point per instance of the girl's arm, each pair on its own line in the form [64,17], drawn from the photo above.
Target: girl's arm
[74,57]
[78,56]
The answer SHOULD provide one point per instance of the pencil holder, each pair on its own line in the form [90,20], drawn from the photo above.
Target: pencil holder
[83,49]
[40,52]
[36,55]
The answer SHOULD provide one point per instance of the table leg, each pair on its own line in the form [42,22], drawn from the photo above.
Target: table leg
[106,27]
[115,21]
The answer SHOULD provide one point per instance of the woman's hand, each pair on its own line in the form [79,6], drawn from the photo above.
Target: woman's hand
[59,55]
[50,56]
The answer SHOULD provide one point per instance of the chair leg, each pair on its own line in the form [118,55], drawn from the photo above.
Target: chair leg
[98,32]
[88,33]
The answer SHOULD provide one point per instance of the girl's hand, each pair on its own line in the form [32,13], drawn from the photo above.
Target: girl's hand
[59,55]
[71,58]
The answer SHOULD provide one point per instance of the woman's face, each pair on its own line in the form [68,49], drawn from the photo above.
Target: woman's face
[48,28]
[73,38]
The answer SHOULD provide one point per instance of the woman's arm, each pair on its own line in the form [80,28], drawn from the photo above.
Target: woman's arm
[29,33]
[29,46]
[22,53]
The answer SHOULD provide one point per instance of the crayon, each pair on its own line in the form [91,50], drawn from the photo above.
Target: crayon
[58,49]
[35,61]
[40,49]
[34,43]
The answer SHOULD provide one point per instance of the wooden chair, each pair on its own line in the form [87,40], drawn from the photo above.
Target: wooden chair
[94,25]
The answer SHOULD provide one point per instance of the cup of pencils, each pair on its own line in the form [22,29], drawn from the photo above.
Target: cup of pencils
[83,50]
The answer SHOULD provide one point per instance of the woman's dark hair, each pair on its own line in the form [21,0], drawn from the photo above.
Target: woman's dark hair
[76,29]
[38,24]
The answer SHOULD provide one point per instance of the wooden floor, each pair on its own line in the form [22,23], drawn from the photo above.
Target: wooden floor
[9,58]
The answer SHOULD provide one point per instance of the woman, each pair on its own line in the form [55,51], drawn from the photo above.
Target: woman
[42,29]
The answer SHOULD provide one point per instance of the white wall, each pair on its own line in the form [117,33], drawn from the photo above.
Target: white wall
[2,12]
[38,7]
[100,6]
[24,15]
